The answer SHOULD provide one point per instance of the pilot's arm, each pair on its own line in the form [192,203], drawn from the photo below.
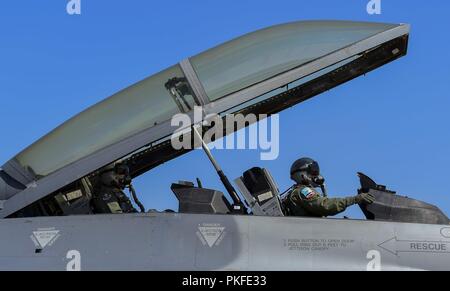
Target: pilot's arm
[317,205]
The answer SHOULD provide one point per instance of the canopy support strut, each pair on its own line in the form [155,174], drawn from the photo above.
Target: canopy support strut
[238,206]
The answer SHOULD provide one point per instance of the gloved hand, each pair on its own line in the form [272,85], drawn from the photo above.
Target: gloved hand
[364,198]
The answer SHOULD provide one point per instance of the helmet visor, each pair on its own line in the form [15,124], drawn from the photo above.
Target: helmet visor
[314,169]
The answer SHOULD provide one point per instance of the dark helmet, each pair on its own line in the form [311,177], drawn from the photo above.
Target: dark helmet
[306,171]
[307,165]
[116,175]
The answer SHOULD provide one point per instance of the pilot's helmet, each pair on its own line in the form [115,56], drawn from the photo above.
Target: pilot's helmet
[116,175]
[306,171]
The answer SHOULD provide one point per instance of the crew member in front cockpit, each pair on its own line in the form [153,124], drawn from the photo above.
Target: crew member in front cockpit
[305,200]
[108,191]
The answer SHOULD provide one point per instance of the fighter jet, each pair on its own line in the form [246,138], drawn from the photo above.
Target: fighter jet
[63,204]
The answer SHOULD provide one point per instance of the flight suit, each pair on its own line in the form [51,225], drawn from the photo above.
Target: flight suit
[112,200]
[306,201]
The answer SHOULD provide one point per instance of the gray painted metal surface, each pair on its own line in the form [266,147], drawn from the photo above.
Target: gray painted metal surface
[166,241]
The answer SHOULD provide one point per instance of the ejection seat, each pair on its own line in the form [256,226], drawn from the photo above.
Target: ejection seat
[260,192]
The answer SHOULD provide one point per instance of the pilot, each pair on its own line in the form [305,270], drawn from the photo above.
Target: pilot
[108,194]
[305,200]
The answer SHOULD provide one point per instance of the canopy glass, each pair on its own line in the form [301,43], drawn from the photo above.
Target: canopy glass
[222,70]
[258,56]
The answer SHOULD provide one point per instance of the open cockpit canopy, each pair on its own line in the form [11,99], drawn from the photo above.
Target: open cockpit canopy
[262,72]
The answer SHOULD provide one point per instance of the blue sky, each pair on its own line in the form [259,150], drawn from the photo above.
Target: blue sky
[392,124]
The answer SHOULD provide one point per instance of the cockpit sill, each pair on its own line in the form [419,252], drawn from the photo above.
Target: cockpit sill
[162,214]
